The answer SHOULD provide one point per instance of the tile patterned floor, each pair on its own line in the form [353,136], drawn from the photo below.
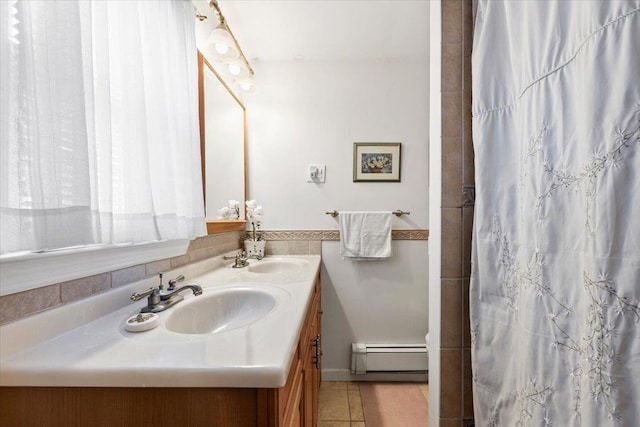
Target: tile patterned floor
[339,404]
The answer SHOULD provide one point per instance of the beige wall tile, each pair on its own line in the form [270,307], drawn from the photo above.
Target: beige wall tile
[452,115]
[451,67]
[456,226]
[128,275]
[451,243]
[276,247]
[467,37]
[451,309]
[233,237]
[467,231]
[467,384]
[179,261]
[298,247]
[201,254]
[22,304]
[450,383]
[153,268]
[204,242]
[315,247]
[231,246]
[215,240]
[466,326]
[85,287]
[452,21]
[467,141]
[451,172]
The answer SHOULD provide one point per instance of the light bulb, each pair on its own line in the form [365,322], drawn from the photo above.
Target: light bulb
[234,69]
[245,85]
[221,48]
[224,47]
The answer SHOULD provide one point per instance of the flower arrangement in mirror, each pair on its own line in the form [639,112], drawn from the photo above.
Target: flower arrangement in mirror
[230,211]
[255,245]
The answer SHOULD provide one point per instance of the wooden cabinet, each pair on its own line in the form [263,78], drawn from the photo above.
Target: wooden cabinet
[309,348]
[299,396]
[294,405]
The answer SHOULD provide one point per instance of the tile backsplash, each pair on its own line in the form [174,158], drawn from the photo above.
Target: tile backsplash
[22,304]
[281,242]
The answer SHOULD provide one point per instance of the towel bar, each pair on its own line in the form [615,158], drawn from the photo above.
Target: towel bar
[334,213]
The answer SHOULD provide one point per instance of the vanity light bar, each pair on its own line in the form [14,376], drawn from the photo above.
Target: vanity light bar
[213,4]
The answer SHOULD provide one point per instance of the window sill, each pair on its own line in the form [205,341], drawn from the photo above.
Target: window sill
[34,270]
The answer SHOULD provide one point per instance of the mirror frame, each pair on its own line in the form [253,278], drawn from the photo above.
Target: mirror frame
[219,226]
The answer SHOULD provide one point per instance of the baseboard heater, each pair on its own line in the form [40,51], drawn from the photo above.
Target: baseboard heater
[388,358]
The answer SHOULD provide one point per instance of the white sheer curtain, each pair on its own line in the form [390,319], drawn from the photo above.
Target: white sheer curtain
[100,139]
[555,287]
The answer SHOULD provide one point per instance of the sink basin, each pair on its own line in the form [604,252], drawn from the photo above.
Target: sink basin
[222,310]
[277,265]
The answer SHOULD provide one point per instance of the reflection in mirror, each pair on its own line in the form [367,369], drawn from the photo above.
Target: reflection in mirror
[222,136]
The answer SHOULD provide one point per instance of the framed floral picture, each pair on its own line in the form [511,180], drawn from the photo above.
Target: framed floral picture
[376,161]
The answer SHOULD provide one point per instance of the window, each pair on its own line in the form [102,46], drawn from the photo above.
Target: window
[99,131]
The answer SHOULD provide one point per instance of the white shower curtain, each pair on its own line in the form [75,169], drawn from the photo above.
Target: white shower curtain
[555,286]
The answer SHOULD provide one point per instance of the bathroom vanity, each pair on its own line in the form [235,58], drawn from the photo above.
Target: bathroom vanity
[249,370]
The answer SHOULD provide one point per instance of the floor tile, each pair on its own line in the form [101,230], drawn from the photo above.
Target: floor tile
[425,390]
[333,405]
[355,405]
[333,385]
[340,403]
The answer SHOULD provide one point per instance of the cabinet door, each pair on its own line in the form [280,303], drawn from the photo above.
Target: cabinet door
[312,380]
[294,408]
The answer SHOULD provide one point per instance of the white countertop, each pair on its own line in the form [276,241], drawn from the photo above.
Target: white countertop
[84,344]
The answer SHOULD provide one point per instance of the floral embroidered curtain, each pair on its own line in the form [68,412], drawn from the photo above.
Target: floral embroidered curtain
[555,286]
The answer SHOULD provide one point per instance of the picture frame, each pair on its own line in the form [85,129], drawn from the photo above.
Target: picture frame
[376,161]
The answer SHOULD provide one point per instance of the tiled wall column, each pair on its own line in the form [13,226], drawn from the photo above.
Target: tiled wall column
[456,402]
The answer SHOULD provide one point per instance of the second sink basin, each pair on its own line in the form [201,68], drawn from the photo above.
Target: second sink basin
[223,310]
[277,265]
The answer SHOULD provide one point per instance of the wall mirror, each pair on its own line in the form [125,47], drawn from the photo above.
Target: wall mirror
[222,144]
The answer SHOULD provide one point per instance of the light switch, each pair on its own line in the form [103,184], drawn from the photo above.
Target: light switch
[316,173]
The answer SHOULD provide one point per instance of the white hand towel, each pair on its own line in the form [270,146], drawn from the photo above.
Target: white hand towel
[365,235]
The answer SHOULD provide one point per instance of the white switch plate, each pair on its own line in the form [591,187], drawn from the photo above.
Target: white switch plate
[316,173]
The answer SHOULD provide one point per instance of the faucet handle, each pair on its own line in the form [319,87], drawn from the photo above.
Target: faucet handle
[172,283]
[139,295]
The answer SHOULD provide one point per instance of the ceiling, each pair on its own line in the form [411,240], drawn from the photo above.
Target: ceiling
[328,30]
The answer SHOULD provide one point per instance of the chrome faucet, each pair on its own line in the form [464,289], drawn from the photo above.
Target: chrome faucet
[160,300]
[240,259]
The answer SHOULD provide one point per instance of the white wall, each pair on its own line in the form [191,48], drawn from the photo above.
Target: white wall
[313,112]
